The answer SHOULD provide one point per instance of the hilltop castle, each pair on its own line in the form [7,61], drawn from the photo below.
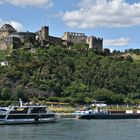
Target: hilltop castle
[9,37]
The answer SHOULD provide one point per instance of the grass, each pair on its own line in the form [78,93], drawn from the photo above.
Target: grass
[62,109]
[58,107]
[135,57]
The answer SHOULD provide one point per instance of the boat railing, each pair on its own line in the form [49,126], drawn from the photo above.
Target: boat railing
[8,112]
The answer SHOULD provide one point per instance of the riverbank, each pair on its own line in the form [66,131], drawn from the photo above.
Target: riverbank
[68,111]
[66,115]
[62,109]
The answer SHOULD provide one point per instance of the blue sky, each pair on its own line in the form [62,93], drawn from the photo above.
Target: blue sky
[117,21]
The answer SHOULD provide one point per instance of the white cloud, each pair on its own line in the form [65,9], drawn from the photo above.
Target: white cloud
[103,13]
[116,42]
[37,3]
[18,26]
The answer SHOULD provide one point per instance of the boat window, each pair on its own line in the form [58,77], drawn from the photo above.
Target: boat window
[19,110]
[3,110]
[38,110]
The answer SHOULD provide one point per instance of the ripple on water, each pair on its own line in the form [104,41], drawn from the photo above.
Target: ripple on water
[71,129]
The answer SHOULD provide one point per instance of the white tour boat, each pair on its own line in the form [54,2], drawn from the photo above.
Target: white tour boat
[26,114]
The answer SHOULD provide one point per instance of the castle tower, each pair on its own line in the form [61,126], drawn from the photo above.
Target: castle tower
[45,32]
[66,36]
[95,43]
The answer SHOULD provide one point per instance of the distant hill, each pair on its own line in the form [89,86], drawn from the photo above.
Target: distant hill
[136,57]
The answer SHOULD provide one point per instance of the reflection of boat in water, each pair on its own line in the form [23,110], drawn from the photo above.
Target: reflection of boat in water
[26,114]
[99,113]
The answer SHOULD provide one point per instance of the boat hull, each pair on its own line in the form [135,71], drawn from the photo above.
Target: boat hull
[109,116]
[27,119]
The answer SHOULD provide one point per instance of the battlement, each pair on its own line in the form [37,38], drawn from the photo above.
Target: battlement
[74,34]
[97,38]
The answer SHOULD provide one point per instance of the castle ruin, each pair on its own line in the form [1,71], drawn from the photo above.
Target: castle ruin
[10,37]
[80,38]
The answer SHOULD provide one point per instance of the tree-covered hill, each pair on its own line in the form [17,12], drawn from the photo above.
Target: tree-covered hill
[75,75]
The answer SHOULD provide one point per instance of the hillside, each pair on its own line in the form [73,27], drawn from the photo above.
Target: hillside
[75,75]
[3,55]
[136,57]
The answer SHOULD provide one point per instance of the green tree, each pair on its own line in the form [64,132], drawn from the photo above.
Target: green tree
[20,93]
[6,93]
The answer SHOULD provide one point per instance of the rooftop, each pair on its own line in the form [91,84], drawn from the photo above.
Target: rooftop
[7,27]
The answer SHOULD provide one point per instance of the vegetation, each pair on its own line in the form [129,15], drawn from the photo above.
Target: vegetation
[133,53]
[74,76]
[2,55]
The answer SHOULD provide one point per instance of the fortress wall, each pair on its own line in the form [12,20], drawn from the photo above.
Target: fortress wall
[74,37]
[55,40]
[8,35]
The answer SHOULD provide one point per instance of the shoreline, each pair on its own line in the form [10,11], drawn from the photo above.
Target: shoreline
[66,115]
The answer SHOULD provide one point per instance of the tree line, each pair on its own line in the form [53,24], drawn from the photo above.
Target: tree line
[73,75]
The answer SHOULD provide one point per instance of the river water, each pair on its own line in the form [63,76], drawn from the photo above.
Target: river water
[72,129]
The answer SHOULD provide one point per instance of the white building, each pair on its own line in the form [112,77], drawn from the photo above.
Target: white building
[4,63]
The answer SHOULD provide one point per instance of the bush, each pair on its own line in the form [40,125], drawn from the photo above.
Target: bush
[129,58]
[65,100]
[53,99]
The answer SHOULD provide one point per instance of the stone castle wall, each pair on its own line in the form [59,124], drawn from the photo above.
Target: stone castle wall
[9,36]
[81,38]
[55,40]
[3,43]
[25,37]
[74,37]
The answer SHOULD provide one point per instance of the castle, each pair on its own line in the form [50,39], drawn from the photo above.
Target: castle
[80,38]
[9,37]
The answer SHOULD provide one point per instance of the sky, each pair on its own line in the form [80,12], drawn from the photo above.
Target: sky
[116,21]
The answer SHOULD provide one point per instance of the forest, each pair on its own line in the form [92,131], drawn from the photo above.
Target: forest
[75,75]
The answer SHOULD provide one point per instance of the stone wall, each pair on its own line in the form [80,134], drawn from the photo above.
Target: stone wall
[11,42]
[3,45]
[81,38]
[4,34]
[74,37]
[25,37]
[55,40]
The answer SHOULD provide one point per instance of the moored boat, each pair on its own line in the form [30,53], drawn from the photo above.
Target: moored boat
[26,114]
[100,113]
[93,114]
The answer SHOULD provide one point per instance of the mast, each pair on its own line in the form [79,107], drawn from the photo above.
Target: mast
[21,103]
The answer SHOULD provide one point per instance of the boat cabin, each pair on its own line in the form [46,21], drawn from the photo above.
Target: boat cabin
[28,109]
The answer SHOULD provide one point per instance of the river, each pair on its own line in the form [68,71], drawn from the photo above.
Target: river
[72,129]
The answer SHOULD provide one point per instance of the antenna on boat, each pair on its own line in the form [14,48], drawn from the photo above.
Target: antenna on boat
[20,101]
